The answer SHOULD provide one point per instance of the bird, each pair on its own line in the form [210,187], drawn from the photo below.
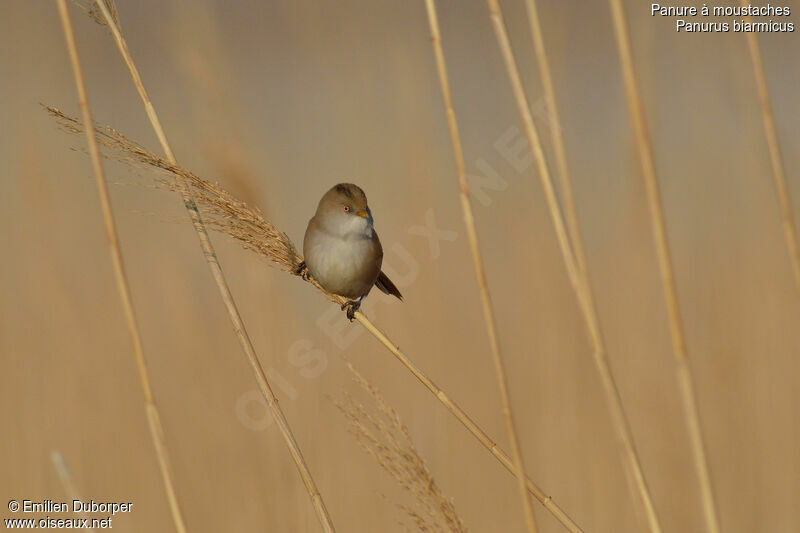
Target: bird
[342,250]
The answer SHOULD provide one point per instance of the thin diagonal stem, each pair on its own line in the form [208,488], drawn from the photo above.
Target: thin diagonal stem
[684,376]
[558,136]
[474,245]
[580,284]
[787,218]
[68,483]
[222,285]
[154,422]
[472,427]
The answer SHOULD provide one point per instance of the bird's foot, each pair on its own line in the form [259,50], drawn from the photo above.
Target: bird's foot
[302,271]
[351,306]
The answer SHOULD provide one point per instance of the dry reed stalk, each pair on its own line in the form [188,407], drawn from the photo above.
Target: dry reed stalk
[684,377]
[219,278]
[154,422]
[477,262]
[384,436]
[580,284]
[226,214]
[558,137]
[467,422]
[787,218]
[67,482]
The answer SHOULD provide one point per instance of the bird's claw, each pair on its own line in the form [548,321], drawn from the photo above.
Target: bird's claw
[302,271]
[351,306]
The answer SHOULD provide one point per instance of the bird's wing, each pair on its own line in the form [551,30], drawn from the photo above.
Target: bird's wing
[386,286]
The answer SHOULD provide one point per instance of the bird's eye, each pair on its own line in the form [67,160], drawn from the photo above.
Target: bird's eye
[347,209]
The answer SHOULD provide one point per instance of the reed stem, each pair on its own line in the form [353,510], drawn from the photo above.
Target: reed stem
[580,284]
[477,261]
[787,218]
[68,483]
[683,372]
[472,427]
[222,284]
[558,136]
[123,288]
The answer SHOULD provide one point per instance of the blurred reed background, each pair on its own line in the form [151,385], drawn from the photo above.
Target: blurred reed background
[280,100]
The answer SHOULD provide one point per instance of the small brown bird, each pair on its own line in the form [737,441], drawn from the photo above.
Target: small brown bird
[342,250]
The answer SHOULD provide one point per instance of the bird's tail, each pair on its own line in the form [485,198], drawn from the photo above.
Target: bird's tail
[386,285]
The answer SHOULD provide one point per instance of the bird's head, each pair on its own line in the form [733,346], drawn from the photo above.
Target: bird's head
[344,210]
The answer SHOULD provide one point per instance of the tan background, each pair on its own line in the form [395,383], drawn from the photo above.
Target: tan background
[279,101]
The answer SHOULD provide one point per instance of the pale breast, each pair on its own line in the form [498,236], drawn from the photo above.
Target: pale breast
[348,267]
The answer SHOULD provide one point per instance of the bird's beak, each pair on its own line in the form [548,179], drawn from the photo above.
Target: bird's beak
[362,213]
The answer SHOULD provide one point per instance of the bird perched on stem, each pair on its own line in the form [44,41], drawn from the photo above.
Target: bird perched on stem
[342,250]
